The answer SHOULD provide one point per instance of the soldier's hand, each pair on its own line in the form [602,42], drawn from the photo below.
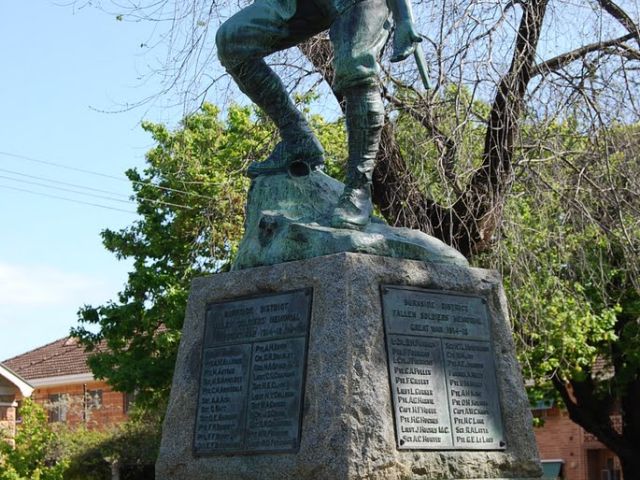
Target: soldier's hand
[405,39]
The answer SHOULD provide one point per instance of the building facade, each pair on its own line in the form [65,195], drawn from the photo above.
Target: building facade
[63,383]
[12,388]
[569,452]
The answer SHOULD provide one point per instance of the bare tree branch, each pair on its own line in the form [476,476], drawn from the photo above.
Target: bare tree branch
[559,61]
[446,145]
[479,210]
[621,16]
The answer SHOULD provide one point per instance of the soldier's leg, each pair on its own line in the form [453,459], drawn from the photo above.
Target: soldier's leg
[243,41]
[358,37]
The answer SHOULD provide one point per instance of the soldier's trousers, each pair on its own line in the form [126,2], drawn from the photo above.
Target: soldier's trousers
[357,34]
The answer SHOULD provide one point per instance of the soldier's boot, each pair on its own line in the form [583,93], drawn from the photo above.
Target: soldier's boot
[299,148]
[365,118]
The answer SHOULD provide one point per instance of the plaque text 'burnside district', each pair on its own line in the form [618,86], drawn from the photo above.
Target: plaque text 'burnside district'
[252,374]
[442,370]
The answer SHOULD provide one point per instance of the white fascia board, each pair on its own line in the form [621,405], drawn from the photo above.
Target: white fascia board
[26,388]
[62,380]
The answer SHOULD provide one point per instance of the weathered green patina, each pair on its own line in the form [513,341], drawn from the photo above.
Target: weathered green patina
[289,218]
[358,31]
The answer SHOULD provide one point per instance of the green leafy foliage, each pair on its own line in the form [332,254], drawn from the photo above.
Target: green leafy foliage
[90,454]
[561,329]
[560,248]
[569,255]
[32,457]
[83,452]
[59,452]
[460,125]
[191,201]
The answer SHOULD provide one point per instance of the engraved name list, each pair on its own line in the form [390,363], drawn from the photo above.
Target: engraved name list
[442,370]
[252,377]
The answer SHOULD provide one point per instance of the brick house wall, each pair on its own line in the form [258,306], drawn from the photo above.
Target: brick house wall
[93,403]
[584,458]
[559,438]
[65,386]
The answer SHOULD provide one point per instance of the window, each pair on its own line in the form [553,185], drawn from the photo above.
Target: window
[58,407]
[93,399]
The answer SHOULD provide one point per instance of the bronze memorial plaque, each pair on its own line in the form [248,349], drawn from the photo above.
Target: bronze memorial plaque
[442,371]
[252,374]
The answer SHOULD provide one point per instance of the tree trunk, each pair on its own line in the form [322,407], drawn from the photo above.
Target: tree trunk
[470,225]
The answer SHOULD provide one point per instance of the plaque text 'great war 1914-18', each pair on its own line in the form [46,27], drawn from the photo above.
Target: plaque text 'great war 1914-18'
[442,370]
[252,374]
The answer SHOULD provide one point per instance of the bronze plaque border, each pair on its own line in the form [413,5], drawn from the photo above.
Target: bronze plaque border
[481,337]
[307,318]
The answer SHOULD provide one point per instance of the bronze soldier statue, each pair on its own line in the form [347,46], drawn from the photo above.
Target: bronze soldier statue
[358,30]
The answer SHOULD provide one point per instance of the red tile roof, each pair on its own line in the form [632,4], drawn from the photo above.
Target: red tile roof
[62,357]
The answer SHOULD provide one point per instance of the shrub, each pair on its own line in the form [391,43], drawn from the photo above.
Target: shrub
[32,457]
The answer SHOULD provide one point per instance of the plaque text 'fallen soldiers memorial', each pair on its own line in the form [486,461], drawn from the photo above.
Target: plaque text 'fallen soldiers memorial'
[442,370]
[252,374]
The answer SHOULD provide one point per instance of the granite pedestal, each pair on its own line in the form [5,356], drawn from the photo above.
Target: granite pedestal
[350,401]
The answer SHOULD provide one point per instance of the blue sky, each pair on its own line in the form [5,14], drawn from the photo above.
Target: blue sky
[66,72]
[62,69]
